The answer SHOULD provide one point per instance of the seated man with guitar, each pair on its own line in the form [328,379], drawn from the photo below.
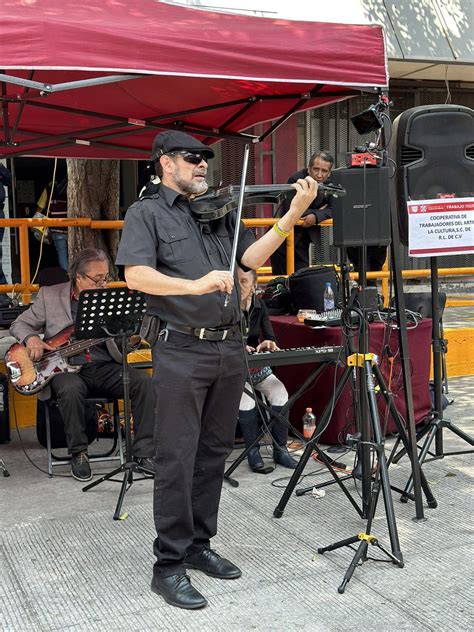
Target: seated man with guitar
[95,368]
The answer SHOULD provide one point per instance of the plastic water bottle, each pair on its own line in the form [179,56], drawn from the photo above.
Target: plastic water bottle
[328,298]
[309,423]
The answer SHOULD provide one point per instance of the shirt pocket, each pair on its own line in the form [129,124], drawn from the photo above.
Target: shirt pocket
[222,236]
[175,243]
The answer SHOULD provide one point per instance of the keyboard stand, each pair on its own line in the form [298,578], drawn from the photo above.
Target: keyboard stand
[281,415]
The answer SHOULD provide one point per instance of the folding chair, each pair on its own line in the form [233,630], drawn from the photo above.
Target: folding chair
[110,455]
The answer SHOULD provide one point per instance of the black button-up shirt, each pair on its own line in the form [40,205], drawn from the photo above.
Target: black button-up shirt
[160,232]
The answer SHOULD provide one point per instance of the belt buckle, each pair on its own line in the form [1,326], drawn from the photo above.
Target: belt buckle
[202,333]
[226,331]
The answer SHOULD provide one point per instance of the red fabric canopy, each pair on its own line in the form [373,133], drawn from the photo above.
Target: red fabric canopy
[212,74]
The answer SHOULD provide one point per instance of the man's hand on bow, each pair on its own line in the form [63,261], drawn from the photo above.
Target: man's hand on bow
[214,281]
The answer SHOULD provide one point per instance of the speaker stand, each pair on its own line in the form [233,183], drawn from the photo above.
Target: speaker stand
[434,431]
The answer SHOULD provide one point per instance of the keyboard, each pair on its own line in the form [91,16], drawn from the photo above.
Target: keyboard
[296,355]
[331,318]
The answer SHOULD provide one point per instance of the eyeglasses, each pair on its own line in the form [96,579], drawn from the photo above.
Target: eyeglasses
[189,156]
[98,280]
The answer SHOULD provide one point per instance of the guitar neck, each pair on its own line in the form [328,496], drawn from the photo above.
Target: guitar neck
[82,345]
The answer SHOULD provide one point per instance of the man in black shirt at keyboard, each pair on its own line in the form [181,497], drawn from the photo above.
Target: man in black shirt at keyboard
[198,363]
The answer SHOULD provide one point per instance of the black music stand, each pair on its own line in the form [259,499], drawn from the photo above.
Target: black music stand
[117,312]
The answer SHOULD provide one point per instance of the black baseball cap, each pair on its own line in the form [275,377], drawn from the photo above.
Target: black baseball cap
[169,141]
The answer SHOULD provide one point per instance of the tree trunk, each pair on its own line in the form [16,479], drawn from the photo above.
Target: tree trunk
[93,191]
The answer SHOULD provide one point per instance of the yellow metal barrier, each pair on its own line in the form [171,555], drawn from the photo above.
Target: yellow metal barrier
[26,288]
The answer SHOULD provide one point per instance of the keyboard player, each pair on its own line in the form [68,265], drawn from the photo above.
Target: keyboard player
[262,379]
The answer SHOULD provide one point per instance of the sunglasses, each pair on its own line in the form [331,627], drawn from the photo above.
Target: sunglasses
[189,156]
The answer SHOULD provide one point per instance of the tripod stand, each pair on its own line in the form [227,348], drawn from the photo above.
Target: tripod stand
[371,436]
[363,468]
[434,430]
[381,475]
[117,312]
[365,365]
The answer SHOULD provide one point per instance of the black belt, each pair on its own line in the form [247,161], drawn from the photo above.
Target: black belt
[211,333]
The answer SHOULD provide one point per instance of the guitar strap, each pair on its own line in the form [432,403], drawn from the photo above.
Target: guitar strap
[113,349]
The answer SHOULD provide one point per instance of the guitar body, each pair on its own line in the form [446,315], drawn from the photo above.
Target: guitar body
[28,377]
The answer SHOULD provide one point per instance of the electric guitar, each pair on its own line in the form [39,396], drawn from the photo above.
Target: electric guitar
[29,377]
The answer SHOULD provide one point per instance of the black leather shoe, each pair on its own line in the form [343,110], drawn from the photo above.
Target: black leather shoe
[178,591]
[80,468]
[211,563]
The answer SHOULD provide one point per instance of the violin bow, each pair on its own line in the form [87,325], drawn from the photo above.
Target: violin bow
[240,205]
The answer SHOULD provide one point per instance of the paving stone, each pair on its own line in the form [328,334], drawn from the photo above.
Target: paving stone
[67,565]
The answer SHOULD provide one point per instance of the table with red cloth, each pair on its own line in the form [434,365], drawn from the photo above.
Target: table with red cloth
[382,339]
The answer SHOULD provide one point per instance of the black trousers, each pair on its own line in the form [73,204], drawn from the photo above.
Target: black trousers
[376,256]
[302,243]
[198,385]
[105,380]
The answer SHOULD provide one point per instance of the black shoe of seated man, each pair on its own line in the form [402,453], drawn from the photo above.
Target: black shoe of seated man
[178,591]
[283,457]
[211,563]
[147,462]
[80,467]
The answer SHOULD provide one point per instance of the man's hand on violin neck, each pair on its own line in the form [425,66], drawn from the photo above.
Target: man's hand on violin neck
[306,191]
[214,281]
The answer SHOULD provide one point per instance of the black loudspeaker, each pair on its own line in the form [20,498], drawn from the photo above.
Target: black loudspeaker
[367,190]
[433,148]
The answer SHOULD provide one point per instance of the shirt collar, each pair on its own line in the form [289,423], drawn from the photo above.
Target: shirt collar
[170,195]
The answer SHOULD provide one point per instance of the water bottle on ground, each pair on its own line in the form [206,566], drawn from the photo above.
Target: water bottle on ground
[309,423]
[328,298]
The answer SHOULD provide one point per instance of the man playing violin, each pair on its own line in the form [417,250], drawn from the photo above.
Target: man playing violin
[183,265]
[319,167]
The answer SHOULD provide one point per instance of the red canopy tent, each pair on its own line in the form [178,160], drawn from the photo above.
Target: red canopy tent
[99,80]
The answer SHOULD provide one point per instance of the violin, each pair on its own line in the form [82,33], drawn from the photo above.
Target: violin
[217,202]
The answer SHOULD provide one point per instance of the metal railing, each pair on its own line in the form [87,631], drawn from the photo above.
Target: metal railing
[25,287]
